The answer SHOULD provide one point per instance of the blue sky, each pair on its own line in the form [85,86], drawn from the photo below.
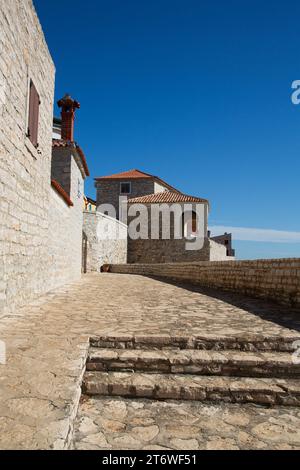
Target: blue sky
[197,92]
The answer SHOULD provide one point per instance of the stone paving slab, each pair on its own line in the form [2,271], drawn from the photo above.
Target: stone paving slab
[114,423]
[47,343]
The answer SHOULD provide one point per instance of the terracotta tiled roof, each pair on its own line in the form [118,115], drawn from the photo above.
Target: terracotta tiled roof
[166,197]
[67,143]
[135,174]
[62,192]
[126,174]
[62,143]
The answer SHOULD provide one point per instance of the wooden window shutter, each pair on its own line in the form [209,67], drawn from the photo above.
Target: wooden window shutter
[194,222]
[33,115]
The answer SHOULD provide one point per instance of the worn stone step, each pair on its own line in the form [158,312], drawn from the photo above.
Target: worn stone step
[204,342]
[189,361]
[193,387]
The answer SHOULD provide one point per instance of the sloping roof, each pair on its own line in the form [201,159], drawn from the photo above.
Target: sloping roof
[90,200]
[126,174]
[135,174]
[59,143]
[61,192]
[166,197]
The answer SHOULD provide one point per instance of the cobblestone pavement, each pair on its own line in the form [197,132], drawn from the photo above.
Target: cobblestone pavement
[47,343]
[146,424]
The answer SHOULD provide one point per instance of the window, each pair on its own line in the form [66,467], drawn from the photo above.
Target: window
[33,115]
[194,222]
[125,188]
[190,224]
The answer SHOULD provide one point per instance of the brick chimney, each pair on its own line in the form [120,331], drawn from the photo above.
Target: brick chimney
[68,107]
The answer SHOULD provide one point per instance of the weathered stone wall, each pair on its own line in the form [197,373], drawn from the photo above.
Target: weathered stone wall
[274,279]
[24,170]
[65,232]
[162,250]
[108,192]
[61,167]
[40,236]
[104,241]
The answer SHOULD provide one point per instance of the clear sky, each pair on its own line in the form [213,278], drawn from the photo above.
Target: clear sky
[197,92]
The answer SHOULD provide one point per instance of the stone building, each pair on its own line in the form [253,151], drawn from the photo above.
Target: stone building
[133,188]
[68,171]
[159,241]
[225,240]
[40,209]
[90,204]
[132,183]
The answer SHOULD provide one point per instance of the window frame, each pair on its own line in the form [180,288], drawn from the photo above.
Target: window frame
[190,222]
[125,182]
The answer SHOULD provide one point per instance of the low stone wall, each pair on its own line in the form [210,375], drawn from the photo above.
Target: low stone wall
[274,279]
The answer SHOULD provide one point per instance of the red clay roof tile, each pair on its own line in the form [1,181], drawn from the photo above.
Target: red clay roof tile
[126,174]
[166,197]
[136,174]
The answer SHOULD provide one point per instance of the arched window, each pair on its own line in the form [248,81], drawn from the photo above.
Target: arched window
[190,224]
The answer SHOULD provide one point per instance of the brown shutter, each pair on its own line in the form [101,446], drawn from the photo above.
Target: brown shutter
[194,222]
[33,115]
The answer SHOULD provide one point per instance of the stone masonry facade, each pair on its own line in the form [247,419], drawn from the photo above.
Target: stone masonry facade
[40,234]
[277,279]
[108,192]
[163,250]
[24,170]
[65,232]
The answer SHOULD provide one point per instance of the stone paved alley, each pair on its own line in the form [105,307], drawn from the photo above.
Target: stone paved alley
[47,346]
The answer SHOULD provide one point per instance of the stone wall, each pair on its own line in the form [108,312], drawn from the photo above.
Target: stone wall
[40,235]
[275,279]
[164,251]
[61,167]
[104,241]
[65,233]
[108,192]
[147,249]
[24,170]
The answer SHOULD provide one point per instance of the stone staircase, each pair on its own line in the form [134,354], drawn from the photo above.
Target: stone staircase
[207,368]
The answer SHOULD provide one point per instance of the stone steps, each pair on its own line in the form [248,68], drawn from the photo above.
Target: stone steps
[203,342]
[196,362]
[207,368]
[193,387]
